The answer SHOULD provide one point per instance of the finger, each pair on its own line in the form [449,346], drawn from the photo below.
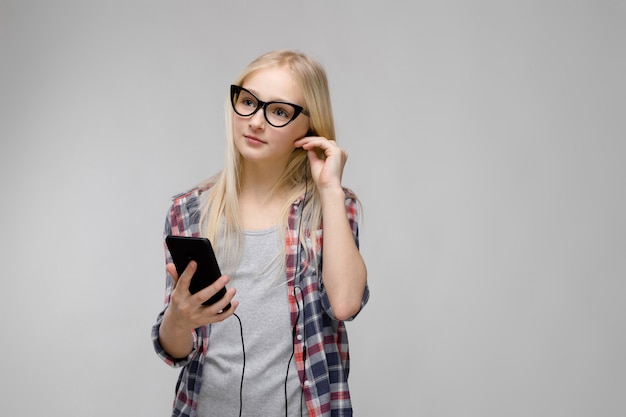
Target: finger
[313,142]
[307,140]
[185,278]
[323,148]
[216,316]
[224,314]
[226,304]
[170,268]
[211,290]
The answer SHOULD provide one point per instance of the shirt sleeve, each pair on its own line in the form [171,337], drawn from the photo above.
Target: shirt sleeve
[166,357]
[169,284]
[352,211]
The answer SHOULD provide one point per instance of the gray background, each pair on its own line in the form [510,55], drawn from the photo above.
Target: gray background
[486,141]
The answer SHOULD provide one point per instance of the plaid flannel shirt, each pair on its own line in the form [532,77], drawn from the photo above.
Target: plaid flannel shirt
[320,341]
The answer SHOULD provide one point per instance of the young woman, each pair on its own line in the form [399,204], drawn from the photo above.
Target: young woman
[286,236]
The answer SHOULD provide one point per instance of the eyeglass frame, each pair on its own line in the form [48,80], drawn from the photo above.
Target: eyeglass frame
[237,89]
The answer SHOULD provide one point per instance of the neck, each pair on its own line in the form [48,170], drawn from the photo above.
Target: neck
[260,199]
[261,183]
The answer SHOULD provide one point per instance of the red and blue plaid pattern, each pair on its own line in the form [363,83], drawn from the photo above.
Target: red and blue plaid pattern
[320,341]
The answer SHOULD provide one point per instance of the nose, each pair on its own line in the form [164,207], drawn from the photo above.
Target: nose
[257,120]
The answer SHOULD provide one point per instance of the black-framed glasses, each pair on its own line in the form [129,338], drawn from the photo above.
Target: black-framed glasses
[277,113]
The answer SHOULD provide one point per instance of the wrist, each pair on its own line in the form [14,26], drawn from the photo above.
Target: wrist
[332,192]
[172,325]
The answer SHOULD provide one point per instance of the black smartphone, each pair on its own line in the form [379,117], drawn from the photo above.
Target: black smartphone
[184,249]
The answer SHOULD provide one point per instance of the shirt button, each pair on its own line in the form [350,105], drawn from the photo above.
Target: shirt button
[307,383]
[299,337]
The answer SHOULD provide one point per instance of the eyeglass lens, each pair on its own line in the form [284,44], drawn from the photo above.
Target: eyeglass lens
[276,113]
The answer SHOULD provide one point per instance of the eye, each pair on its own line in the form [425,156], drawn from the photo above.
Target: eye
[281,111]
[247,102]
[247,99]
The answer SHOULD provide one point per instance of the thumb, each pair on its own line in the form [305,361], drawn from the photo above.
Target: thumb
[171,270]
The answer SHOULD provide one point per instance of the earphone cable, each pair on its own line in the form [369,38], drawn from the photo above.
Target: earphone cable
[243,370]
[299,263]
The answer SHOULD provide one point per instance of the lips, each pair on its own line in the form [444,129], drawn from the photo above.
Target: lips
[253,140]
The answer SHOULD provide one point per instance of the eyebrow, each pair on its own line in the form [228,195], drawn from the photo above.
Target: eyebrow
[281,100]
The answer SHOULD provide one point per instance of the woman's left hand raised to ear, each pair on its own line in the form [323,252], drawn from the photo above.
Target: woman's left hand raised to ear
[327,160]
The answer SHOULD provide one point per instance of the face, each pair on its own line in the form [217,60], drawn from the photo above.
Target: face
[255,138]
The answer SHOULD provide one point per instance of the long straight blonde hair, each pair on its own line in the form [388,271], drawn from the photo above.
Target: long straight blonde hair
[219,215]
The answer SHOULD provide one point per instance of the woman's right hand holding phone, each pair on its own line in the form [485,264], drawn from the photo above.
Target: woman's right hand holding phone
[185,312]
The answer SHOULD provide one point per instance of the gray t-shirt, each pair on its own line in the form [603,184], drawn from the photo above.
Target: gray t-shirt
[267,338]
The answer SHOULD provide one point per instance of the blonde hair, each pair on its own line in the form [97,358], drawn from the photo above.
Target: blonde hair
[219,215]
